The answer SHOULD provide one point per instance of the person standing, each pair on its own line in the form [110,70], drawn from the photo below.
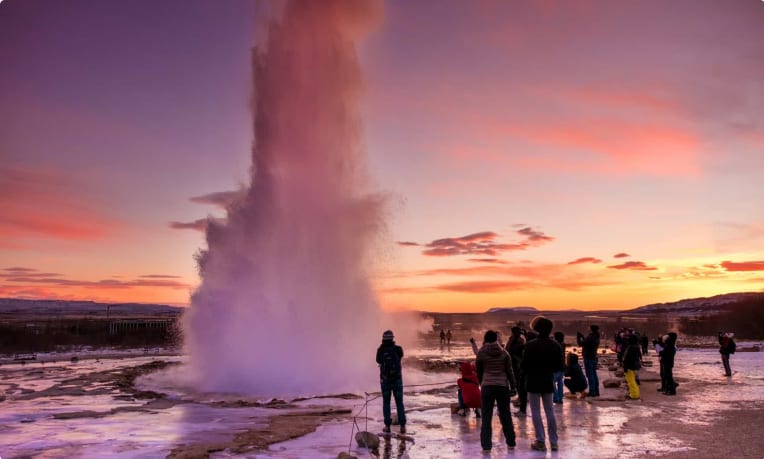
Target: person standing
[631,364]
[559,375]
[516,348]
[726,347]
[667,361]
[589,347]
[442,337]
[497,386]
[448,337]
[389,356]
[645,343]
[543,357]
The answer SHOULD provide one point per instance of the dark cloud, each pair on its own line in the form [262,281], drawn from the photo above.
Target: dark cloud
[25,272]
[634,265]
[621,255]
[30,279]
[487,260]
[407,243]
[534,236]
[585,260]
[19,269]
[743,265]
[483,243]
[219,198]
[198,225]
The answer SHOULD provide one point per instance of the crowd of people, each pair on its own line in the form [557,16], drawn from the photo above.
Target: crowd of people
[535,366]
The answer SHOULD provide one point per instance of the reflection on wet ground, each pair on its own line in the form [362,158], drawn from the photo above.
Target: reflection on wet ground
[82,414]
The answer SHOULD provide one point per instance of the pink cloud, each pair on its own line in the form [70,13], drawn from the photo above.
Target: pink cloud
[585,260]
[40,203]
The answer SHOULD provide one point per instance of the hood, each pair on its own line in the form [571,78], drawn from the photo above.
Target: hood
[467,369]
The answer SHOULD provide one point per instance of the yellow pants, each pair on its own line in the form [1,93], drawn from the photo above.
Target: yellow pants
[631,381]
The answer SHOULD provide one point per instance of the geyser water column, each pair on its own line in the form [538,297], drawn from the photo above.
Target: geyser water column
[285,304]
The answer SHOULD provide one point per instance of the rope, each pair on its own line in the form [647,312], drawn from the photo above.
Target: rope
[365,408]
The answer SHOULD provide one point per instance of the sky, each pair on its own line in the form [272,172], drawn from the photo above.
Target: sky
[588,155]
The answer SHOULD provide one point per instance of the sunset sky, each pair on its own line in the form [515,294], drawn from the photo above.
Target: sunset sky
[588,154]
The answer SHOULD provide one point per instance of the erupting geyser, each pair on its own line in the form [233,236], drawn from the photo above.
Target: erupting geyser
[285,305]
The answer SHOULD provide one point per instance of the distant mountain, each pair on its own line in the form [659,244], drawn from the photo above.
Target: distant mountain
[515,309]
[89,308]
[702,306]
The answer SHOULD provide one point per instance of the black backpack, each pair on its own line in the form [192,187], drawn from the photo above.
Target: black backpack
[391,364]
[731,346]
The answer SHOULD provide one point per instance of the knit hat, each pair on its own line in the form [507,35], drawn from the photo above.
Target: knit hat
[387,335]
[490,336]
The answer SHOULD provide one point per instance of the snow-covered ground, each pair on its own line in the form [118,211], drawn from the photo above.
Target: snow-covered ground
[64,409]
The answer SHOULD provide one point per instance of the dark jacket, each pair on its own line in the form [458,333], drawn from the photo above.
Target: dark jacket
[494,366]
[381,349]
[726,345]
[543,356]
[668,353]
[632,358]
[575,375]
[516,347]
[589,345]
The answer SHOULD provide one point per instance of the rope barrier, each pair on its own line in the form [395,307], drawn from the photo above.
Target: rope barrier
[365,408]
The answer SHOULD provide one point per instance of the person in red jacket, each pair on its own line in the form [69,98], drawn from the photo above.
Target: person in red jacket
[469,389]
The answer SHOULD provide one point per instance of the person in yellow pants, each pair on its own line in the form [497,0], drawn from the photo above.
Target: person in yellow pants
[631,364]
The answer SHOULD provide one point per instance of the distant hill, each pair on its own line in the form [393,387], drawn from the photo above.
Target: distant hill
[697,306]
[15,306]
[516,310]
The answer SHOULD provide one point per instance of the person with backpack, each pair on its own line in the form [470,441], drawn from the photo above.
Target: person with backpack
[632,362]
[727,346]
[497,386]
[389,356]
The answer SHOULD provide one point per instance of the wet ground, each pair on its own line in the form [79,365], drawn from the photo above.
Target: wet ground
[106,408]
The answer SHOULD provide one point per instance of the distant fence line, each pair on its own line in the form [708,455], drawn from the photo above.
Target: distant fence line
[126,325]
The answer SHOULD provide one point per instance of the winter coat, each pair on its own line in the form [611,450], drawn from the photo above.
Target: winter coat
[632,358]
[543,357]
[494,366]
[589,345]
[382,348]
[726,345]
[469,386]
[576,376]
[516,347]
[667,354]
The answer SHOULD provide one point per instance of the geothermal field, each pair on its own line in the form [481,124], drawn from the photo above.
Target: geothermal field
[131,405]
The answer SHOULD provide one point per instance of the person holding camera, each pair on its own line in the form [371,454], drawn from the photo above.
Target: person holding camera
[589,346]
[497,386]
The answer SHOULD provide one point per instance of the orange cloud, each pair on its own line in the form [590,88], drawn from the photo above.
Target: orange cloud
[621,255]
[743,266]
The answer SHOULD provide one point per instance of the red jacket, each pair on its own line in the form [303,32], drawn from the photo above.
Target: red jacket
[469,386]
